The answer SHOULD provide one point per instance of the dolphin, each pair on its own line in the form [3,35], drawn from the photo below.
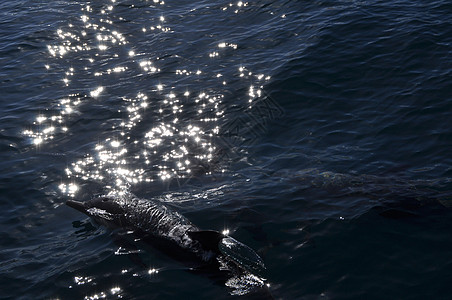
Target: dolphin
[152,220]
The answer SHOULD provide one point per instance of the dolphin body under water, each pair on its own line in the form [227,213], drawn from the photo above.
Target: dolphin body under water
[149,219]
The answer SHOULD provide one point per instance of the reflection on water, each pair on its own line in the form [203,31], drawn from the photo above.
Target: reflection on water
[147,113]
[166,129]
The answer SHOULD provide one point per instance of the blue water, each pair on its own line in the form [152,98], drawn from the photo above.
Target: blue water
[317,132]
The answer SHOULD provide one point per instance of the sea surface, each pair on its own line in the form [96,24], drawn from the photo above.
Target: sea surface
[319,133]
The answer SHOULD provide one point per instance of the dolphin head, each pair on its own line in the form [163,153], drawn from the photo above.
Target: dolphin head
[105,210]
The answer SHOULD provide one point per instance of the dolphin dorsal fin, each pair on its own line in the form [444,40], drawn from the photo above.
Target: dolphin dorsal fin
[208,239]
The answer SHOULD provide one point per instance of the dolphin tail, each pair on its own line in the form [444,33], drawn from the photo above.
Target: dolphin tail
[236,251]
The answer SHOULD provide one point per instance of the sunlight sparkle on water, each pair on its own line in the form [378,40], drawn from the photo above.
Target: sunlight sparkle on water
[101,295]
[37,141]
[79,280]
[115,290]
[153,271]
[68,189]
[41,119]
[95,93]
[115,143]
[179,126]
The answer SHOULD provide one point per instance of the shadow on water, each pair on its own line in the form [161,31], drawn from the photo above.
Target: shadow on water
[384,188]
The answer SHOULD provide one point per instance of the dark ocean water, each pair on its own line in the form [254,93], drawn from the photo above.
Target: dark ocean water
[319,133]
